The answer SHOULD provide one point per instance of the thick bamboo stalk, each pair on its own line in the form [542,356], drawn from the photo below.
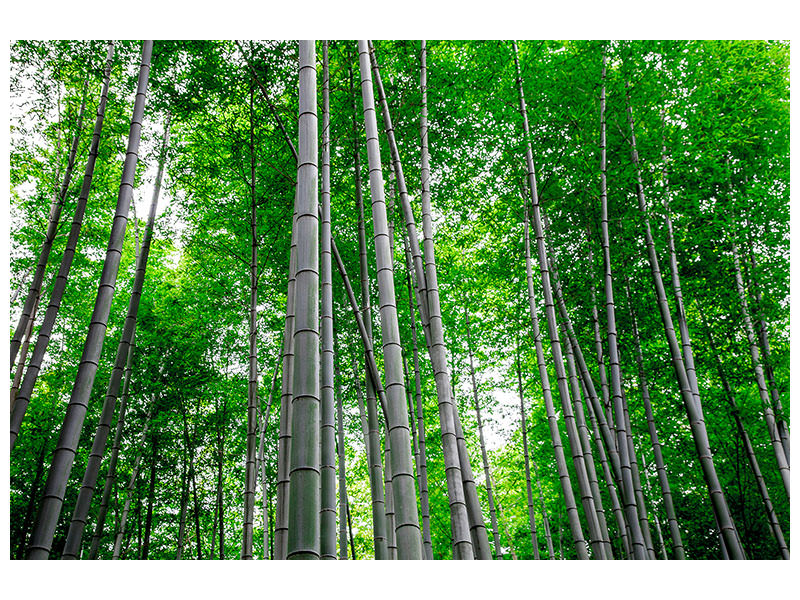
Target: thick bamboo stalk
[397,170]
[285,420]
[111,471]
[23,354]
[428,292]
[661,543]
[588,456]
[407,528]
[608,477]
[59,285]
[304,472]
[598,345]
[763,339]
[604,439]
[265,504]
[696,422]
[548,536]
[641,507]
[86,493]
[53,498]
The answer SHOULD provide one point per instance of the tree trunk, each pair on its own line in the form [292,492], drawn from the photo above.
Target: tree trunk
[372,439]
[60,283]
[588,456]
[53,498]
[422,467]
[763,339]
[340,448]
[24,354]
[628,493]
[86,493]
[111,472]
[265,516]
[184,504]
[428,300]
[599,424]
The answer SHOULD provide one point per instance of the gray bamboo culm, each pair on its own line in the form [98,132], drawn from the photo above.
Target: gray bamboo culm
[694,413]
[372,440]
[111,471]
[586,446]
[498,549]
[407,530]
[304,472]
[528,487]
[658,457]
[428,292]
[555,435]
[252,370]
[61,465]
[263,463]
[758,371]
[751,456]
[422,468]
[327,423]
[628,494]
[575,527]
[35,289]
[59,285]
[129,489]
[86,493]
[340,448]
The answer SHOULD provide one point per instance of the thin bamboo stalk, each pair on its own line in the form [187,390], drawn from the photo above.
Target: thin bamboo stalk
[53,497]
[59,285]
[327,420]
[404,495]
[699,434]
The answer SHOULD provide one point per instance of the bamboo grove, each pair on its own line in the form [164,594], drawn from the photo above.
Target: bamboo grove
[399,300]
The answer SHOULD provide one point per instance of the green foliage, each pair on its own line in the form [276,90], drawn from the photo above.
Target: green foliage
[712,129]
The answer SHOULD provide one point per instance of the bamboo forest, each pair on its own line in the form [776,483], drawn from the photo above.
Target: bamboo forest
[399,299]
